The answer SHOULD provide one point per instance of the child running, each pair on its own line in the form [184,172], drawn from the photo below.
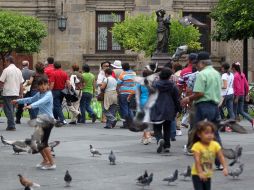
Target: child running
[43,100]
[205,150]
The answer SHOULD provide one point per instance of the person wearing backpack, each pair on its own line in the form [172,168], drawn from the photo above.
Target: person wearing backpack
[77,83]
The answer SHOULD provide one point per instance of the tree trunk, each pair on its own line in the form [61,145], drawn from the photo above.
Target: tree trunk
[245,57]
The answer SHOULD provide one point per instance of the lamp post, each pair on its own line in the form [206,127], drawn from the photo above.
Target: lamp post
[62,20]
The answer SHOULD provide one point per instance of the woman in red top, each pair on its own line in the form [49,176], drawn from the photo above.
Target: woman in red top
[241,88]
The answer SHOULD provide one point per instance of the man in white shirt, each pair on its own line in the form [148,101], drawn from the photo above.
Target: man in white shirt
[11,80]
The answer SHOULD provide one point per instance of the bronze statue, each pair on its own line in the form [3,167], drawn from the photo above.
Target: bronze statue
[163,32]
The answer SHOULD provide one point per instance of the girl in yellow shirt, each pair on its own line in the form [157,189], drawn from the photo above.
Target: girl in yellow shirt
[205,150]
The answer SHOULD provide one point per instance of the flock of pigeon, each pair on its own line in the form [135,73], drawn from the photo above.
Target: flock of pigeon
[143,180]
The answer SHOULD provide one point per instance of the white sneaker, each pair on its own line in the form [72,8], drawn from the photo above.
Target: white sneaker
[39,165]
[179,132]
[47,167]
[146,141]
[185,148]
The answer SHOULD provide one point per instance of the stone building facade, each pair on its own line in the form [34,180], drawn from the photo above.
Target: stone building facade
[87,38]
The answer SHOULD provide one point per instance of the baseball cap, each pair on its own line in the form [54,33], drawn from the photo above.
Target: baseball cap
[203,55]
[192,56]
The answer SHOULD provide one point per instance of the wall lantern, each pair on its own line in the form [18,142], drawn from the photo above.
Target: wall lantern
[62,20]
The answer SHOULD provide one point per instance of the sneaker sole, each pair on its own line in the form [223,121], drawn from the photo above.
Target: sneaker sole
[159,149]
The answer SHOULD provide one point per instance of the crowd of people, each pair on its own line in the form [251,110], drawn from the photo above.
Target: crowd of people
[198,91]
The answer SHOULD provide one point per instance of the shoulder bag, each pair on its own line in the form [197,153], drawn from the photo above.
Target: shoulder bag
[100,96]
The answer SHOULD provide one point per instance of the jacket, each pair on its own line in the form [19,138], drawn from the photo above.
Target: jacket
[167,104]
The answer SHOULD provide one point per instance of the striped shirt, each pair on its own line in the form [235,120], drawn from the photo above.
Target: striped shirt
[126,82]
[184,76]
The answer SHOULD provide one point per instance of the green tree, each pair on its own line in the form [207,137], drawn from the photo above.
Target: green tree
[20,33]
[138,33]
[234,19]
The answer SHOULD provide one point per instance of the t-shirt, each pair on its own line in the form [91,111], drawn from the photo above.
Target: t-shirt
[59,78]
[111,83]
[126,82]
[230,79]
[184,76]
[27,73]
[12,79]
[207,156]
[208,81]
[89,82]
[49,70]
[191,81]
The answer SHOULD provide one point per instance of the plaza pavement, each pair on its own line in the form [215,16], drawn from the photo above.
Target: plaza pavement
[95,173]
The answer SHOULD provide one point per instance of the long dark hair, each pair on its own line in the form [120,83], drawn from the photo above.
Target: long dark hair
[226,68]
[237,67]
[201,126]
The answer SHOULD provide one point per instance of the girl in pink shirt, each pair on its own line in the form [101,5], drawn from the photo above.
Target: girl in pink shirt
[241,88]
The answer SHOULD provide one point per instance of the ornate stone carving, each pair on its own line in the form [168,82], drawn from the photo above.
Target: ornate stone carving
[110,5]
[45,10]
[191,5]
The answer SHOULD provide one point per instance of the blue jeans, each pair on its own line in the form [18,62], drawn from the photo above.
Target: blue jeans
[9,110]
[125,109]
[228,103]
[85,102]
[57,105]
[239,108]
[173,129]
[210,111]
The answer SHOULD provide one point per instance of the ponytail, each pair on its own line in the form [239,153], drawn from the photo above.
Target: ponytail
[237,67]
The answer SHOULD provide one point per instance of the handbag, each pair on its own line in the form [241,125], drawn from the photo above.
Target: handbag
[100,96]
[70,94]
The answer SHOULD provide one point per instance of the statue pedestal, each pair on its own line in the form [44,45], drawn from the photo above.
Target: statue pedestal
[161,58]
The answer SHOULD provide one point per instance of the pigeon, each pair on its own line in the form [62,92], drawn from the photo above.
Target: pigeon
[189,20]
[179,52]
[140,178]
[146,181]
[233,124]
[4,141]
[94,151]
[112,158]
[234,155]
[187,172]
[17,149]
[236,172]
[67,178]
[26,182]
[171,178]
[53,144]
[20,143]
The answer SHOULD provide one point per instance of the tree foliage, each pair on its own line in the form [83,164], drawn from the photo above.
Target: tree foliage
[20,33]
[138,33]
[234,19]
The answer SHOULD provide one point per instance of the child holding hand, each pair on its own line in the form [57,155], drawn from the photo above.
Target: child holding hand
[205,150]
[43,100]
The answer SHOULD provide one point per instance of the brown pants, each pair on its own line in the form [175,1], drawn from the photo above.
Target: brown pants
[191,131]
